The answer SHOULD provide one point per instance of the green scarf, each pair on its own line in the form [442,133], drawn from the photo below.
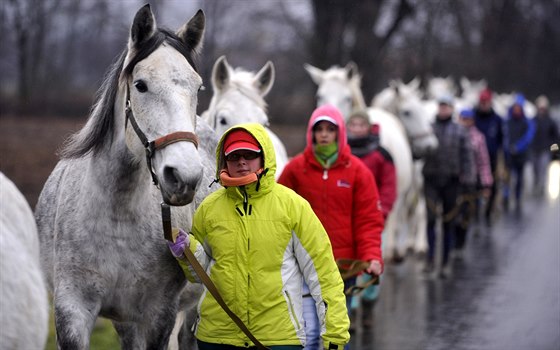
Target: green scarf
[326,155]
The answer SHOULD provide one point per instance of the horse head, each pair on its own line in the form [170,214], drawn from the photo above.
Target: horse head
[238,95]
[403,101]
[339,87]
[161,86]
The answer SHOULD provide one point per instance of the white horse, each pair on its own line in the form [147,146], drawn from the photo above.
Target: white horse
[341,88]
[239,98]
[98,215]
[403,100]
[23,294]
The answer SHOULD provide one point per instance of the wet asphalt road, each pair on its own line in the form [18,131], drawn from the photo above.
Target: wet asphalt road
[503,294]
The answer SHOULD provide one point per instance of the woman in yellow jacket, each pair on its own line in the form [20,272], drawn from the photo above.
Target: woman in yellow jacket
[258,241]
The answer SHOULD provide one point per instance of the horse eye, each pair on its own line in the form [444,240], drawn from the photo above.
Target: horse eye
[141,86]
[223,121]
[406,113]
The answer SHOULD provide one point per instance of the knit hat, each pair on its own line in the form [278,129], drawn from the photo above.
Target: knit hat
[467,114]
[485,95]
[446,100]
[238,140]
[542,102]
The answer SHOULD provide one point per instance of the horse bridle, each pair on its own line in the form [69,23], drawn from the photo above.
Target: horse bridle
[159,143]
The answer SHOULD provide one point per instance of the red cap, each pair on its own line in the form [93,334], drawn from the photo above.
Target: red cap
[485,95]
[240,139]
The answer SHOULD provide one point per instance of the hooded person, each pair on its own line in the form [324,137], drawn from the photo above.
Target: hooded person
[258,241]
[341,191]
[518,135]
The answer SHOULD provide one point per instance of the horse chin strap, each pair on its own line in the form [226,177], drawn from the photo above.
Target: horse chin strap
[152,146]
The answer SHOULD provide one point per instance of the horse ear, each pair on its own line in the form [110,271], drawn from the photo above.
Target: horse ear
[414,84]
[264,79]
[351,70]
[191,33]
[220,73]
[143,27]
[315,73]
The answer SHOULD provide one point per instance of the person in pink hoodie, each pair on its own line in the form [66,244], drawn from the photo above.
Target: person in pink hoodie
[342,193]
[482,183]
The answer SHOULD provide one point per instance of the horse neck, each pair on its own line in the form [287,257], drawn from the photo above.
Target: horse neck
[114,169]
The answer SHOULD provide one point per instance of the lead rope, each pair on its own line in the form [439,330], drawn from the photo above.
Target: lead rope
[349,268]
[199,270]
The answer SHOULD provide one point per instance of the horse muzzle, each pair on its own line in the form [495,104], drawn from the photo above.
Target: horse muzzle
[178,189]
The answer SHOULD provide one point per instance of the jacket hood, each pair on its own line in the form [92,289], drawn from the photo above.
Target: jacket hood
[333,113]
[520,101]
[269,156]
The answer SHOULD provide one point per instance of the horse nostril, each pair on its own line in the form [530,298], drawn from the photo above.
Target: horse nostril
[170,176]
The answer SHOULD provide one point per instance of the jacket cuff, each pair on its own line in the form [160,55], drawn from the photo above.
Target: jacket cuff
[332,346]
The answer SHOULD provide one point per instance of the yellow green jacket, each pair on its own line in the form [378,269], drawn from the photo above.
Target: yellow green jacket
[256,242]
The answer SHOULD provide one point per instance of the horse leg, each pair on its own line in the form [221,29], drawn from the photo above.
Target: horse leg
[130,336]
[390,228]
[189,303]
[74,320]
[179,325]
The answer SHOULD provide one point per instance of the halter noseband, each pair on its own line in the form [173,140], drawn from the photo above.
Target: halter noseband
[161,142]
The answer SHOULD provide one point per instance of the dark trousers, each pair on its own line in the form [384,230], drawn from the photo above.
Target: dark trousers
[468,210]
[493,189]
[441,191]
[515,171]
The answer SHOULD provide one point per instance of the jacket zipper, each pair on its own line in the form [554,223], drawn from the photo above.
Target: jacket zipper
[325,174]
[292,308]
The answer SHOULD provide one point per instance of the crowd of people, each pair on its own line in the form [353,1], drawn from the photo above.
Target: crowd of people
[277,251]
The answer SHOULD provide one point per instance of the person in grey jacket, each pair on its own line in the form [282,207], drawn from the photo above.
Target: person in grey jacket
[446,171]
[546,134]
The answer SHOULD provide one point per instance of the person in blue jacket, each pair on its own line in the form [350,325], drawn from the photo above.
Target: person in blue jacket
[518,134]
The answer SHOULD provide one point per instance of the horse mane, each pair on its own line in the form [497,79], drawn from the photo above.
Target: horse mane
[99,129]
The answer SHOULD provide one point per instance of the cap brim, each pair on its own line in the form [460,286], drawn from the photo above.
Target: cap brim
[325,118]
[242,146]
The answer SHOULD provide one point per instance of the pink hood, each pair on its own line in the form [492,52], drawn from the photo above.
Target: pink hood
[332,112]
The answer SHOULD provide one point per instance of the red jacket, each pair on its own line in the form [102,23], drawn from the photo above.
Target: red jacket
[344,197]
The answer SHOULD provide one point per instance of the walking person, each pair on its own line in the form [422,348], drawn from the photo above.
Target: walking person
[546,134]
[490,124]
[258,241]
[445,171]
[482,181]
[363,139]
[343,194]
[519,132]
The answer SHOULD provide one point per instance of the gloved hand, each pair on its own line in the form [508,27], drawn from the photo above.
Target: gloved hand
[182,241]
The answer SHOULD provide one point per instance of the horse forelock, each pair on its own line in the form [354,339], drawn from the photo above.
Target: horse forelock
[245,87]
[161,36]
[98,131]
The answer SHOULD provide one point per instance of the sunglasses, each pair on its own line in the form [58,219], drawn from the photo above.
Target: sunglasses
[235,156]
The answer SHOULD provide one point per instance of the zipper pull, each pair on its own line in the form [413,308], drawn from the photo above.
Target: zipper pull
[325,174]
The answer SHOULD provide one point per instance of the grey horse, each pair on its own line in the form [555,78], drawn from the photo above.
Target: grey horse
[98,215]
